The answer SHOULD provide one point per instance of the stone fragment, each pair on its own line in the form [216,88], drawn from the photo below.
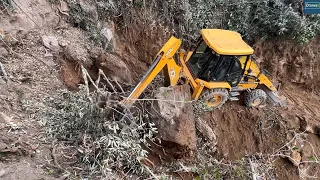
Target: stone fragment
[51,43]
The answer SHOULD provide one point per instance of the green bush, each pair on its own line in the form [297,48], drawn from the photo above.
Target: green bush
[269,19]
[103,141]
[265,19]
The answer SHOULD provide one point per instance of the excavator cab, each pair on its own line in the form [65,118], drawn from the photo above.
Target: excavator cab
[217,70]
[208,65]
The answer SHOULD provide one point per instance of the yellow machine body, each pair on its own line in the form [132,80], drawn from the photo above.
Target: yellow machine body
[222,42]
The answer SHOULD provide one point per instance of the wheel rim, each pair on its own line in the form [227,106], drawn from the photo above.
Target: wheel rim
[214,101]
[257,102]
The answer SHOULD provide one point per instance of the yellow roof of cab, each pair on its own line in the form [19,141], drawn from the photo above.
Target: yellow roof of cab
[226,42]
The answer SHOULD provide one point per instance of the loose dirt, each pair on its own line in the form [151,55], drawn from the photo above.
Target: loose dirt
[241,131]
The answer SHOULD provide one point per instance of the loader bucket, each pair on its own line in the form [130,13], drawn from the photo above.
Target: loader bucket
[275,97]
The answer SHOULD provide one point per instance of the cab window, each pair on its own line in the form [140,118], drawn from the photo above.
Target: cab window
[200,58]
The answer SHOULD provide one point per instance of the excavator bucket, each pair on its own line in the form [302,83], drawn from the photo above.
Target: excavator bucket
[274,96]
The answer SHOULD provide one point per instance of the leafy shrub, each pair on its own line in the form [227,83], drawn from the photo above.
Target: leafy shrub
[254,19]
[103,140]
[5,5]
[271,19]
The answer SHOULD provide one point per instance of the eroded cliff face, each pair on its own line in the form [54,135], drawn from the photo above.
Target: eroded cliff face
[290,62]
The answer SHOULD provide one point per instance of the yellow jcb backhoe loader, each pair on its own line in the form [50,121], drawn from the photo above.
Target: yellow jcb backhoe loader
[218,69]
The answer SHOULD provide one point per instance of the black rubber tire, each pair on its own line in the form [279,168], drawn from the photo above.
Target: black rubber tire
[209,93]
[250,97]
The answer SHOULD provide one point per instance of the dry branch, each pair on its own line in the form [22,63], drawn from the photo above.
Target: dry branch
[105,78]
[54,157]
[254,176]
[288,143]
[85,76]
[3,72]
[119,85]
[165,100]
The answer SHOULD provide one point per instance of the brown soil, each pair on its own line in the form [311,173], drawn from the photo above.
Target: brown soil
[285,170]
[24,169]
[241,131]
[291,63]
[70,76]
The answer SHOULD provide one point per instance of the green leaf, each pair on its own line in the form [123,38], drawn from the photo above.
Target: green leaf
[216,174]
[51,171]
[295,148]
[311,158]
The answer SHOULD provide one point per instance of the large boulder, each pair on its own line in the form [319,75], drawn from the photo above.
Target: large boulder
[173,116]
[78,54]
[114,68]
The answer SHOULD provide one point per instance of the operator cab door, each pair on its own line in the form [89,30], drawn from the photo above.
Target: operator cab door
[229,70]
[222,68]
[209,66]
[203,61]
[235,73]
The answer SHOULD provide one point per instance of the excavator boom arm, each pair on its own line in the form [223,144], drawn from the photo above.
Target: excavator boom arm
[164,58]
